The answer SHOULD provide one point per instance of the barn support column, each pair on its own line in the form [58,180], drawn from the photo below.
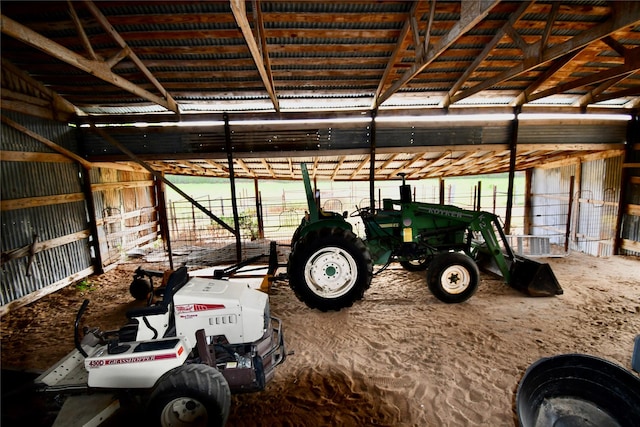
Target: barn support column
[259,209]
[372,163]
[94,243]
[158,185]
[513,144]
[232,182]
[527,202]
[633,139]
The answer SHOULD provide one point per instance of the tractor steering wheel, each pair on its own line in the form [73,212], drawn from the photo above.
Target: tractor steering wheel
[365,211]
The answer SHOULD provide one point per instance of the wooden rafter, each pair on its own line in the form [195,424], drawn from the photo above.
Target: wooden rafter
[97,68]
[337,167]
[536,57]
[240,14]
[473,11]
[631,65]
[127,52]
[360,166]
[513,19]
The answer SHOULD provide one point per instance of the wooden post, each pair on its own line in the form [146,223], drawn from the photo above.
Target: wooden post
[527,202]
[633,128]
[441,190]
[93,225]
[572,182]
[259,209]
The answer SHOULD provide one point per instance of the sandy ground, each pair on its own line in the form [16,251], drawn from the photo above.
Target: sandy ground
[399,357]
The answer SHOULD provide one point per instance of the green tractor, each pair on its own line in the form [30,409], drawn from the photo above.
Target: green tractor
[330,267]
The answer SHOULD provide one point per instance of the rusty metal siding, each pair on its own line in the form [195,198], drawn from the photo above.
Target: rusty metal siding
[598,199]
[22,276]
[566,133]
[550,202]
[595,205]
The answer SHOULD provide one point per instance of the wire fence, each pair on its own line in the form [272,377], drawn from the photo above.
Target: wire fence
[274,216]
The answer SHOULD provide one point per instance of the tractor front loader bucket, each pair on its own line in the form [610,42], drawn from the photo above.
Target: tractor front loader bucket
[533,278]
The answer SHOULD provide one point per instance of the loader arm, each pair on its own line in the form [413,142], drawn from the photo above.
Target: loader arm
[311,198]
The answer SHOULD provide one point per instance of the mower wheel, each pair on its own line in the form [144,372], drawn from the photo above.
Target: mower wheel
[140,288]
[190,395]
[453,277]
[330,268]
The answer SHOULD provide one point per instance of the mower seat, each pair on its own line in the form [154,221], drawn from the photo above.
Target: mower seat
[155,320]
[177,279]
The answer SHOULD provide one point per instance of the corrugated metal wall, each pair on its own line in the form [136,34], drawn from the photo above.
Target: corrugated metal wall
[60,221]
[550,202]
[595,204]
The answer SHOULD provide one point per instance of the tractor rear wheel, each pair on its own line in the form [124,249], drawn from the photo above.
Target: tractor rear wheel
[330,268]
[190,395]
[453,277]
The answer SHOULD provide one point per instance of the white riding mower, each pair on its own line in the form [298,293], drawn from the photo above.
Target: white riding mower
[183,356]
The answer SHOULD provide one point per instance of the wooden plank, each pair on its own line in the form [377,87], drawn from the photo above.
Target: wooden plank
[239,12]
[119,185]
[31,156]
[96,68]
[32,202]
[43,246]
[633,210]
[472,13]
[630,245]
[46,141]
[34,296]
[172,105]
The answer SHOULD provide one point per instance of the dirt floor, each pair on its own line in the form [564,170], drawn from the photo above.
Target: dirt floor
[400,357]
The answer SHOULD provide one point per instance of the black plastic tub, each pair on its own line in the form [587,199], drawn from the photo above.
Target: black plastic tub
[573,390]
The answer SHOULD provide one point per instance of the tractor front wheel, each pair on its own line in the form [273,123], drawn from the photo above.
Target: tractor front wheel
[190,395]
[330,268]
[453,277]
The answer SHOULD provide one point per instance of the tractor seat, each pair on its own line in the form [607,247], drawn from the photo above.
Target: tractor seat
[177,279]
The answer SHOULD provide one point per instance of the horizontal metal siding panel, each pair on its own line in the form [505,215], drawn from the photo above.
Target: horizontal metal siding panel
[14,140]
[34,179]
[613,133]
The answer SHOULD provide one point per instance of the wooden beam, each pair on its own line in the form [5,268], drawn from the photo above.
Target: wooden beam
[46,142]
[31,202]
[58,102]
[473,11]
[622,71]
[30,156]
[173,106]
[240,14]
[99,69]
[614,23]
[513,19]
[81,33]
